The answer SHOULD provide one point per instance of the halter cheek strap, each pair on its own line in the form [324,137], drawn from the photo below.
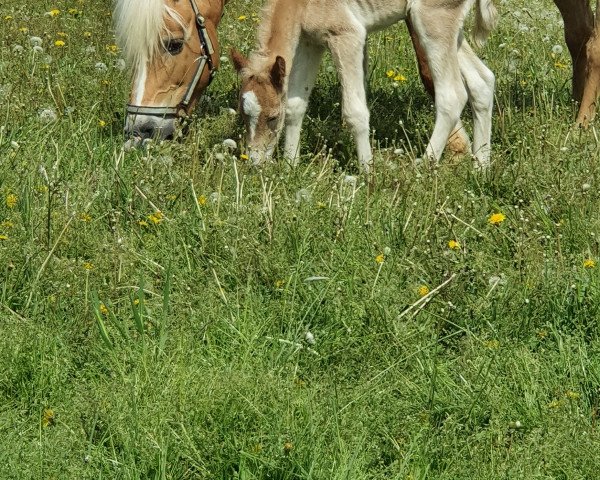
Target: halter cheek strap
[204,61]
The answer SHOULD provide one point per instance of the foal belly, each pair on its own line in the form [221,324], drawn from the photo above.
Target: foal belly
[378,14]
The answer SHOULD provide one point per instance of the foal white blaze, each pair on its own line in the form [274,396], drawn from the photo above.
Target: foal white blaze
[295,32]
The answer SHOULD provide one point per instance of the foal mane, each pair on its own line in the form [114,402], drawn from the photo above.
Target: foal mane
[139,27]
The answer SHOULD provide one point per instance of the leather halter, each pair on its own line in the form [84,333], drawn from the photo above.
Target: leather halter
[204,61]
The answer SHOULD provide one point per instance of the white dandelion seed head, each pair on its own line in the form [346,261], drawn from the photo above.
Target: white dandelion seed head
[101,67]
[47,115]
[387,250]
[585,187]
[219,156]
[302,196]
[232,112]
[310,338]
[14,145]
[214,197]
[17,49]
[350,180]
[90,49]
[224,59]
[557,49]
[230,144]
[120,64]
[37,49]
[35,41]
[496,280]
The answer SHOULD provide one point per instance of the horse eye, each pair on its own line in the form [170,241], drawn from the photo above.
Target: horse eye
[272,122]
[174,47]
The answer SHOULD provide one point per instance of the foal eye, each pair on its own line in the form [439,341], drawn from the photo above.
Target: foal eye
[272,122]
[174,47]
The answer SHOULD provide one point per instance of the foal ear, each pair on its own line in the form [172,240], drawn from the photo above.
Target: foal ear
[239,61]
[278,73]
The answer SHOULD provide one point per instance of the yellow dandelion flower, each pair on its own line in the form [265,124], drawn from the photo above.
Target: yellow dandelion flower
[73,11]
[380,258]
[8,18]
[48,417]
[542,334]
[7,224]
[42,188]
[571,395]
[492,344]
[241,18]
[136,301]
[88,266]
[156,217]
[87,34]
[103,309]
[201,200]
[390,74]
[589,263]
[101,123]
[112,48]
[423,290]
[496,218]
[321,205]
[59,43]
[23,30]
[85,217]
[55,12]
[399,78]
[143,223]
[11,200]
[243,156]
[279,283]
[288,447]
[454,245]
[555,404]
[3,237]
[560,66]
[62,34]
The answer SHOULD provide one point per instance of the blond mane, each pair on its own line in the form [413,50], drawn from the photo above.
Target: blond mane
[139,26]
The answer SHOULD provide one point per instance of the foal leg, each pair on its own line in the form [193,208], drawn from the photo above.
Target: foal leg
[459,140]
[347,51]
[480,88]
[301,82]
[439,40]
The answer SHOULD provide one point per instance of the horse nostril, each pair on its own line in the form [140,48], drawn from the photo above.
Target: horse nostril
[144,131]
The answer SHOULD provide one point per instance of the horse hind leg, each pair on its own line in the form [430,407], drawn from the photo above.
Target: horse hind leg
[440,44]
[480,87]
[591,88]
[458,142]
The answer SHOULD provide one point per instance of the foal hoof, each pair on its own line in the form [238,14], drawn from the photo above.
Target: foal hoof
[459,144]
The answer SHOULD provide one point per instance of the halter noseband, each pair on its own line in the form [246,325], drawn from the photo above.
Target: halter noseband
[204,61]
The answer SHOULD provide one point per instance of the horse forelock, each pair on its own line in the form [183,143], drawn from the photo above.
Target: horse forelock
[140,25]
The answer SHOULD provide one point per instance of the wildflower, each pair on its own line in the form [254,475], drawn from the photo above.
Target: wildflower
[454,245]
[47,115]
[492,344]
[88,265]
[589,263]
[288,447]
[399,78]
[7,224]
[11,200]
[542,334]
[59,43]
[243,156]
[310,338]
[557,49]
[380,258]
[85,217]
[101,67]
[554,404]
[55,12]
[62,34]
[201,200]
[112,48]
[136,301]
[302,195]
[560,66]
[73,11]
[17,49]
[321,205]
[101,123]
[279,283]
[87,34]
[156,217]
[142,223]
[120,64]
[496,218]
[571,395]
[229,144]
[3,237]
[38,49]
[241,18]
[423,290]
[48,417]
[390,73]
[103,309]
[23,29]
[35,41]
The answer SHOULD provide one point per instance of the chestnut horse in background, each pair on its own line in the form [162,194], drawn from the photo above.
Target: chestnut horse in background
[582,35]
[173,50]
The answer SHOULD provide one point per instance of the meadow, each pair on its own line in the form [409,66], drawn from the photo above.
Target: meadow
[176,313]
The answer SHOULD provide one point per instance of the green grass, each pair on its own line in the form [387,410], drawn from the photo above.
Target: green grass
[177,348]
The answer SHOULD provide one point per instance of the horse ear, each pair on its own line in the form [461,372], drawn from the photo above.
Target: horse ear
[239,61]
[278,73]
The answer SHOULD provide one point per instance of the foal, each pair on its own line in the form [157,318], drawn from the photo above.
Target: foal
[278,78]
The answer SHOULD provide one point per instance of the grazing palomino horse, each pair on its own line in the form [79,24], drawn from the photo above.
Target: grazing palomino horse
[582,35]
[277,79]
[173,50]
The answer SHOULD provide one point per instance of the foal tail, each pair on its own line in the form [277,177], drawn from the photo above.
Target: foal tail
[486,17]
